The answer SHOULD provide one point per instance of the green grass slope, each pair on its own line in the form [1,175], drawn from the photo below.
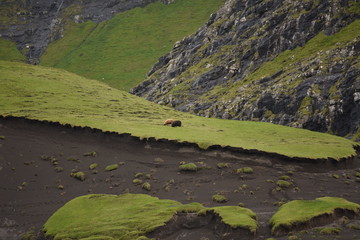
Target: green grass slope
[121,51]
[301,211]
[127,216]
[9,52]
[53,94]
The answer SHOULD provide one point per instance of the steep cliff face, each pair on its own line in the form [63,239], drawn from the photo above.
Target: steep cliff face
[294,63]
[33,24]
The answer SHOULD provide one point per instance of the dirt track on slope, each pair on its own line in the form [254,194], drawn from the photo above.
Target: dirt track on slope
[30,190]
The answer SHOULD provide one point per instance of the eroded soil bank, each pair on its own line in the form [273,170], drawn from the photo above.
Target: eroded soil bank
[36,160]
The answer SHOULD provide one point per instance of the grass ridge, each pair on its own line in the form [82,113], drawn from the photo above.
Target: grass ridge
[49,94]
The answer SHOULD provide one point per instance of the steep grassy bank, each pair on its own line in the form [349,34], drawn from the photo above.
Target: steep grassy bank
[121,51]
[51,94]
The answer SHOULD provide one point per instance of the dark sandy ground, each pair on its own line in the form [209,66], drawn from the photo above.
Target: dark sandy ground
[30,194]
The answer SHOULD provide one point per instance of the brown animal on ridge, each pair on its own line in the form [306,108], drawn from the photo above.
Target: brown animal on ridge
[176,123]
[168,122]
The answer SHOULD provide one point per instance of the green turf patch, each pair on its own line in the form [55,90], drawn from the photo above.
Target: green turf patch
[301,211]
[219,198]
[247,170]
[189,167]
[121,51]
[283,183]
[129,216]
[43,93]
[238,217]
[111,167]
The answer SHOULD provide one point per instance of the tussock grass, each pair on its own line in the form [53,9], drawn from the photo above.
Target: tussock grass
[238,217]
[112,167]
[44,93]
[300,211]
[219,198]
[121,51]
[190,167]
[129,216]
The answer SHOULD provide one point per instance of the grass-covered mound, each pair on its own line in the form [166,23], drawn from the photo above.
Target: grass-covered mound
[128,216]
[44,93]
[122,50]
[238,217]
[302,213]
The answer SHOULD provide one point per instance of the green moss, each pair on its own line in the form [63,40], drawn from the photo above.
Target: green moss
[146,186]
[301,211]
[219,198]
[247,170]
[238,217]
[223,165]
[191,167]
[283,183]
[138,175]
[112,167]
[58,169]
[336,176]
[79,175]
[330,231]
[137,181]
[93,166]
[285,177]
[29,235]
[90,154]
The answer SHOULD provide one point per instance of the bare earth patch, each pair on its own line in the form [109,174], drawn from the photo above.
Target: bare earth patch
[30,192]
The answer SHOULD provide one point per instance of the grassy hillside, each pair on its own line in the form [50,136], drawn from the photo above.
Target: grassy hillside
[51,94]
[121,51]
[9,52]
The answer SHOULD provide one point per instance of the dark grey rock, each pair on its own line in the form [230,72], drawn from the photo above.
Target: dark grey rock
[243,35]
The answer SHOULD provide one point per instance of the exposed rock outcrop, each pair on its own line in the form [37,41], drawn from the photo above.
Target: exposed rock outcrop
[294,63]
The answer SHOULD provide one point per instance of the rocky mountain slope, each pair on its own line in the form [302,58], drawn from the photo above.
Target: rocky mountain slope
[294,63]
[33,24]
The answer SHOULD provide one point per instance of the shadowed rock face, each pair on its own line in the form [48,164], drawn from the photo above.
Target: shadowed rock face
[34,24]
[209,73]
